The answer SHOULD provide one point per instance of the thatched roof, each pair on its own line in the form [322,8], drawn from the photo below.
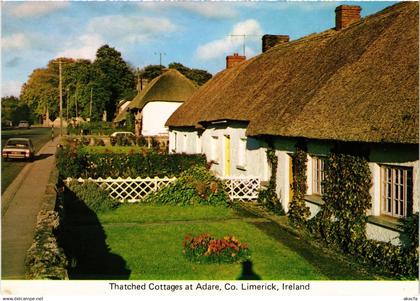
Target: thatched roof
[169,86]
[357,84]
[121,116]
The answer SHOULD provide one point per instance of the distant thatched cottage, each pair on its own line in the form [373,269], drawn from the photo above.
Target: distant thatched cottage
[355,85]
[122,110]
[162,96]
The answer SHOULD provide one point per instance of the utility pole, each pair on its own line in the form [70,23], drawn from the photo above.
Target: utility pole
[160,57]
[67,105]
[90,107]
[244,36]
[61,98]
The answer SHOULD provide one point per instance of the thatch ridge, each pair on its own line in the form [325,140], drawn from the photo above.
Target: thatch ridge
[357,84]
[170,86]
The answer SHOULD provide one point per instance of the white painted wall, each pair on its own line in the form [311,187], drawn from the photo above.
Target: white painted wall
[382,234]
[186,140]
[254,162]
[155,115]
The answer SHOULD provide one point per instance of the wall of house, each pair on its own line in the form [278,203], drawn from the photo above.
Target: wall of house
[184,140]
[248,155]
[155,115]
[382,234]
[395,155]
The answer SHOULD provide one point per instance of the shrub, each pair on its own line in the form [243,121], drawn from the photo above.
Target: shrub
[194,186]
[74,161]
[95,198]
[70,161]
[206,249]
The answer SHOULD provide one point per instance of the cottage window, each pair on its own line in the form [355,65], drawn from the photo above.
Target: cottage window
[242,153]
[397,191]
[318,174]
[214,155]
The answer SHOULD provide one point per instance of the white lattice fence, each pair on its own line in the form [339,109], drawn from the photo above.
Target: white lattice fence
[134,190]
[243,189]
[128,190]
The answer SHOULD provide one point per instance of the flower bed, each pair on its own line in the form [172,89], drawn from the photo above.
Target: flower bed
[206,249]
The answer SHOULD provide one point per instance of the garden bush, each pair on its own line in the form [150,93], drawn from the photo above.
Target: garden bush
[94,197]
[194,186]
[206,249]
[92,128]
[75,161]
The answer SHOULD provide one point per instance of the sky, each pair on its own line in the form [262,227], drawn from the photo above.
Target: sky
[196,34]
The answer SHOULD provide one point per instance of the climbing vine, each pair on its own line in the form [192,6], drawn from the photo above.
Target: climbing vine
[268,197]
[342,219]
[298,212]
[347,198]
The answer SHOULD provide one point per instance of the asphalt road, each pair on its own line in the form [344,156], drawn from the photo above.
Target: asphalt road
[9,170]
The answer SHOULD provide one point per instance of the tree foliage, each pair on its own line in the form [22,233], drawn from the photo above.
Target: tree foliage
[108,79]
[14,110]
[198,76]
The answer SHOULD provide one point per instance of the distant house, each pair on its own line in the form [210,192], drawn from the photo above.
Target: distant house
[122,109]
[162,96]
[354,85]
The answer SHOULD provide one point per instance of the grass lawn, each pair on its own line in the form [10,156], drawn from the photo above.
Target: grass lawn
[9,170]
[143,241]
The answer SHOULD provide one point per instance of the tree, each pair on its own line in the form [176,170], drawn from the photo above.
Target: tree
[40,92]
[14,110]
[151,71]
[113,75]
[200,77]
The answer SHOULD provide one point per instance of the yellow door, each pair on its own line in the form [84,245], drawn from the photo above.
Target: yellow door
[227,156]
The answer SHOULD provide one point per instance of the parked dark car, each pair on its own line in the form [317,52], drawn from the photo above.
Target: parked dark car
[18,148]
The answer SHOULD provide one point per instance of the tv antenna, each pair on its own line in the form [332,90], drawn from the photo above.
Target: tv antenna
[244,36]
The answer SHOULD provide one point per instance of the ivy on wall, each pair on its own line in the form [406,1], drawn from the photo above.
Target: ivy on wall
[298,211]
[268,197]
[342,219]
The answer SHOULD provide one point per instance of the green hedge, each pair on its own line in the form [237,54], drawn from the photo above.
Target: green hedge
[94,197]
[93,128]
[194,186]
[74,162]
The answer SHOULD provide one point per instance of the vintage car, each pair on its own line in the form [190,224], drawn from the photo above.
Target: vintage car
[23,124]
[128,136]
[18,148]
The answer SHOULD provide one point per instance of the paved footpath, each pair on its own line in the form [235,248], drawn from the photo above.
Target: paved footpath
[20,204]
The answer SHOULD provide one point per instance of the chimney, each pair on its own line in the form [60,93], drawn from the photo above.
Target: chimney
[234,59]
[271,40]
[345,15]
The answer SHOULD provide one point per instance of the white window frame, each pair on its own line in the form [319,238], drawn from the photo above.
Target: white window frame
[215,149]
[396,189]
[318,174]
[242,153]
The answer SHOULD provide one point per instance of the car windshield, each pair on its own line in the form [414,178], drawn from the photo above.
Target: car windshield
[17,144]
